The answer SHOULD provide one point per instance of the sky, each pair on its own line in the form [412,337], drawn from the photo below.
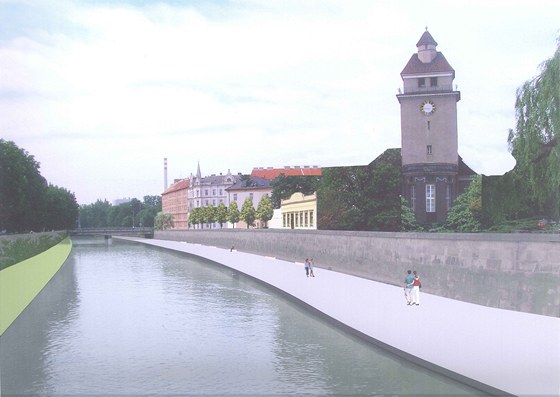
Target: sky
[100,92]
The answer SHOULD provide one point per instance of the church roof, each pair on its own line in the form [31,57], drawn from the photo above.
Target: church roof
[438,65]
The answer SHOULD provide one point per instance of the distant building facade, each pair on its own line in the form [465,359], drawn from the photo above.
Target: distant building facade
[433,173]
[174,200]
[299,211]
[253,188]
[210,191]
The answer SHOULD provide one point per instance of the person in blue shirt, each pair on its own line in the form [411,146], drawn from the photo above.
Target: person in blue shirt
[408,284]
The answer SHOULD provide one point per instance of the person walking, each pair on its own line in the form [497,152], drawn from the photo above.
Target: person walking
[311,268]
[416,284]
[408,284]
[306,267]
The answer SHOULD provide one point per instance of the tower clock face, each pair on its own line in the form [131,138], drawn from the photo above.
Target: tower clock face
[427,107]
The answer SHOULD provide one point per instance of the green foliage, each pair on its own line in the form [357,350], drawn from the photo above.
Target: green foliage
[208,214]
[163,221]
[22,190]
[233,213]
[133,213]
[284,186]
[221,214]
[466,213]
[22,247]
[361,197]
[534,143]
[195,216]
[248,213]
[62,210]
[408,219]
[264,210]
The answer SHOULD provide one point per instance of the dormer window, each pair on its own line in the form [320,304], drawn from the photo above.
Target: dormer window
[433,81]
[421,82]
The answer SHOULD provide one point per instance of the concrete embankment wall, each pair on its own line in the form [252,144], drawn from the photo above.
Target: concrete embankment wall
[22,282]
[508,271]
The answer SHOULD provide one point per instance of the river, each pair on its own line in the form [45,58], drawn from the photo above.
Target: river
[124,318]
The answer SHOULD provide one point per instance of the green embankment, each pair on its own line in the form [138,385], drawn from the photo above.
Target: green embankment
[22,282]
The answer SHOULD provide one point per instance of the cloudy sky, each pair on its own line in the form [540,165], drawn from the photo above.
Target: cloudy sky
[101,91]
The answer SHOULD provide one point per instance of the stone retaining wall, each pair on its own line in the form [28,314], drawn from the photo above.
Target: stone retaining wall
[508,271]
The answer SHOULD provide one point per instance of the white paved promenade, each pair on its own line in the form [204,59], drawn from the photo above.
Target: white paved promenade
[514,352]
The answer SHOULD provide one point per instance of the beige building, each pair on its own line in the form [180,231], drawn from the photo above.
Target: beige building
[299,211]
[174,200]
[253,188]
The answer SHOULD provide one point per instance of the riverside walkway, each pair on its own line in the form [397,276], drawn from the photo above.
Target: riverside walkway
[501,352]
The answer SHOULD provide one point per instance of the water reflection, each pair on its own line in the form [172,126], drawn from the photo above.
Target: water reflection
[129,319]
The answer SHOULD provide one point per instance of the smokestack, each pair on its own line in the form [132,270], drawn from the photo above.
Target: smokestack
[165,174]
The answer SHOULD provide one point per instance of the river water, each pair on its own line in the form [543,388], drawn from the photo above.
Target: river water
[123,318]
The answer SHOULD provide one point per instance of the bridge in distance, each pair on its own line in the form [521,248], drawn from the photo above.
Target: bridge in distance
[108,232]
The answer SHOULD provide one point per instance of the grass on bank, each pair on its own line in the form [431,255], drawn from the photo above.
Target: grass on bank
[17,248]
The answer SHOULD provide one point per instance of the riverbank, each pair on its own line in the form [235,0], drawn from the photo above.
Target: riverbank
[22,282]
[498,351]
[518,272]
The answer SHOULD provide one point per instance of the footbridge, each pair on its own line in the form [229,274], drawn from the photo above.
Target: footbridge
[108,232]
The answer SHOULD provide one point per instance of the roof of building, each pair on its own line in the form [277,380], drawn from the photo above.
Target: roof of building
[179,185]
[252,183]
[438,65]
[271,173]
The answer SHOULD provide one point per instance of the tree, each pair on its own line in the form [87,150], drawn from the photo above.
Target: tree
[284,186]
[221,214]
[233,213]
[163,221]
[264,210]
[62,210]
[534,143]
[22,190]
[408,219]
[209,214]
[95,215]
[466,213]
[248,213]
[361,197]
[195,216]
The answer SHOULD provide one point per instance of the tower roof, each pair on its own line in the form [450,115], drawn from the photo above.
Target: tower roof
[438,65]
[426,39]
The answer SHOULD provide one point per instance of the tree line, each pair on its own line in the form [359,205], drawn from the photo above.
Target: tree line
[222,214]
[134,213]
[27,201]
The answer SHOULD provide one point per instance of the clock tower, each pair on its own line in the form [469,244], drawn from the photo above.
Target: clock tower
[430,159]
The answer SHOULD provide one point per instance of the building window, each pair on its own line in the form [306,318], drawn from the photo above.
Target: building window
[220,192]
[448,196]
[428,125]
[433,81]
[251,196]
[311,218]
[213,192]
[421,82]
[206,192]
[234,196]
[429,149]
[413,197]
[430,198]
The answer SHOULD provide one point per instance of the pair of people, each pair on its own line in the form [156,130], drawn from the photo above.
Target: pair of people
[412,288]
[309,267]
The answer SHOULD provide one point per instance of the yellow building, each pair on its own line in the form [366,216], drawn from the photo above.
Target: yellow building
[299,211]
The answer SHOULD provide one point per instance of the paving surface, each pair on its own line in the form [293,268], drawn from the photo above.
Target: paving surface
[517,353]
